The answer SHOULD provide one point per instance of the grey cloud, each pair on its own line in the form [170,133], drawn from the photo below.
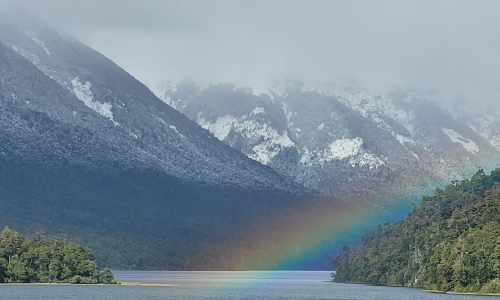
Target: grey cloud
[448,45]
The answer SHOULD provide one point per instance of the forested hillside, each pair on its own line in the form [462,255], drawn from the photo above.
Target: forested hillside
[450,242]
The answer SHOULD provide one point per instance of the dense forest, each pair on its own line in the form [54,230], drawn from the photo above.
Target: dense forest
[449,242]
[43,260]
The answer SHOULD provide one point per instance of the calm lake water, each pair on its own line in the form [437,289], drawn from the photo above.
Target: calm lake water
[222,285]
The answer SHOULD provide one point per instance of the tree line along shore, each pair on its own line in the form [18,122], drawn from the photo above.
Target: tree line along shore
[450,242]
[39,259]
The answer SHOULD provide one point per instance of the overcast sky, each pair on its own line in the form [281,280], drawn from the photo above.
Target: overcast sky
[450,45]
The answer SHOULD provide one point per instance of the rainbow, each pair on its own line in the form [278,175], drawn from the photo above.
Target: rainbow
[303,237]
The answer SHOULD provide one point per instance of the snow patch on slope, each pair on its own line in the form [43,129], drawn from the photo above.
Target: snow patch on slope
[83,93]
[367,105]
[175,129]
[482,125]
[161,121]
[495,141]
[33,58]
[343,149]
[270,140]
[258,110]
[221,128]
[271,146]
[175,104]
[403,139]
[289,114]
[455,137]
[366,159]
[37,41]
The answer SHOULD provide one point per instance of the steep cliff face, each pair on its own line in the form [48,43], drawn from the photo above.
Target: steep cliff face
[337,140]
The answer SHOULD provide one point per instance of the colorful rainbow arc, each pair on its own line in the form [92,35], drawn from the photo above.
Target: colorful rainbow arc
[301,238]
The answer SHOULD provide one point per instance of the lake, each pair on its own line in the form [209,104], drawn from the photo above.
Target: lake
[221,285]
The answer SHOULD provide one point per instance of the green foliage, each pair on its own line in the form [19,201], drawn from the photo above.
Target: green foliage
[492,287]
[107,277]
[450,242]
[47,260]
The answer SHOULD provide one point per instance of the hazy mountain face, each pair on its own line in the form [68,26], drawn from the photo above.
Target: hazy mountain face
[339,140]
[88,151]
[113,104]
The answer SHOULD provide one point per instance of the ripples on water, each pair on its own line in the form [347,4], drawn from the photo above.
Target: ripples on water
[221,285]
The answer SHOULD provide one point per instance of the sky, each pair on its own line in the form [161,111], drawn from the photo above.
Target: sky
[451,46]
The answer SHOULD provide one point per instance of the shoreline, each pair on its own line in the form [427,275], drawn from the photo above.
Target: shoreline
[126,283]
[423,289]
[456,293]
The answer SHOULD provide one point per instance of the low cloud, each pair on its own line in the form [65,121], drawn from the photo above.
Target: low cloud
[447,45]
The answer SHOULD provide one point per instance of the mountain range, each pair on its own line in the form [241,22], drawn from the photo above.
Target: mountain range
[165,182]
[342,139]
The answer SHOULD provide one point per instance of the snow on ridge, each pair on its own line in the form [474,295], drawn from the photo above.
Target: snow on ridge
[33,58]
[288,114]
[270,140]
[271,145]
[83,93]
[38,42]
[360,101]
[403,139]
[495,141]
[482,125]
[221,128]
[343,149]
[175,129]
[258,110]
[172,103]
[366,104]
[455,137]
[164,91]
[161,120]
[167,100]
[367,159]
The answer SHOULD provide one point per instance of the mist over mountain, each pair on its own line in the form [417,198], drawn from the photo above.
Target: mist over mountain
[169,181]
[344,139]
[442,45]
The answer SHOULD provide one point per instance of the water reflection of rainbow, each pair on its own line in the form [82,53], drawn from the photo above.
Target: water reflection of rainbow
[303,238]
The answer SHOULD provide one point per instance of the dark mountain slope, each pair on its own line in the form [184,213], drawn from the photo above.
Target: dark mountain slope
[134,115]
[133,178]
